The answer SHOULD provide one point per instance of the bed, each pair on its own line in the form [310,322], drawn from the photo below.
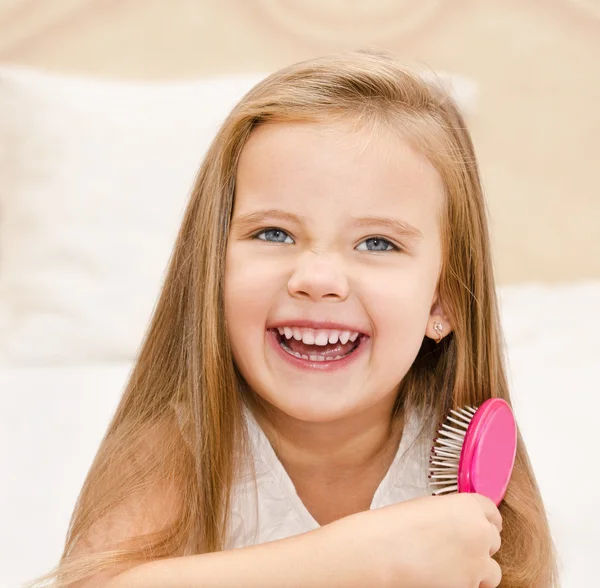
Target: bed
[54,417]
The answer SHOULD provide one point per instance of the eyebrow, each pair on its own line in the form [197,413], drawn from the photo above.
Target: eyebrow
[263,215]
[396,225]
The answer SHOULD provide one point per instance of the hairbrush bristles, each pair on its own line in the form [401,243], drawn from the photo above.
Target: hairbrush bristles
[475,451]
[443,469]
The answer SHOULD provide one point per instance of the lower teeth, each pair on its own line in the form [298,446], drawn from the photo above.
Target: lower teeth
[311,357]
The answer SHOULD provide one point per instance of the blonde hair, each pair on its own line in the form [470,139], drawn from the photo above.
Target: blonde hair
[186,360]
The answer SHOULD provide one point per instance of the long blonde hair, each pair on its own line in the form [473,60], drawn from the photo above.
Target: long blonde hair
[186,360]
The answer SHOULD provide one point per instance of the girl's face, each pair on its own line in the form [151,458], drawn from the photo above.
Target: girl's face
[332,266]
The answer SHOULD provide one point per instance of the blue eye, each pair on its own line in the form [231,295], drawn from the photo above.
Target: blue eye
[377,244]
[274,236]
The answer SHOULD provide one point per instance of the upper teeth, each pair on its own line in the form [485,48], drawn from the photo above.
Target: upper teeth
[317,336]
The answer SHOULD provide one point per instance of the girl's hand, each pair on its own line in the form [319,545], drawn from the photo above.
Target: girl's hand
[432,542]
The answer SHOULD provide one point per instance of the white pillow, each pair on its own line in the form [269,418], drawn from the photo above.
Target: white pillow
[94,179]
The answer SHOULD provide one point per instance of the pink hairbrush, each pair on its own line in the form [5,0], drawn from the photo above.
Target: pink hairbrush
[475,451]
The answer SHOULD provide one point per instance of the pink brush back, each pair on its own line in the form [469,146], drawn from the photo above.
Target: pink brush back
[488,452]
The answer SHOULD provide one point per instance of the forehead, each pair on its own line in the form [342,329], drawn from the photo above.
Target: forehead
[338,169]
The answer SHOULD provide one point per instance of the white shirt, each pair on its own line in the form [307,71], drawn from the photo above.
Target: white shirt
[272,509]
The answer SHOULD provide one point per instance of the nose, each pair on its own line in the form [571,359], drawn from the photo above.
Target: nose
[318,277]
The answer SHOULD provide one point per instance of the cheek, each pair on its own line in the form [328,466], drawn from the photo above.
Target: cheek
[399,308]
[240,307]
[247,297]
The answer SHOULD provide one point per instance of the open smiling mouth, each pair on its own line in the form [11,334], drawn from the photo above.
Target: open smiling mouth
[318,345]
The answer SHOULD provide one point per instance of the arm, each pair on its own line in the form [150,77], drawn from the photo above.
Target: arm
[300,561]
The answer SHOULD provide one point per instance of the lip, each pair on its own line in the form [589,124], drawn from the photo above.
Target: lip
[320,366]
[318,325]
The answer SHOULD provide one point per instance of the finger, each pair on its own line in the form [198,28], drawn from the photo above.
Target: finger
[490,510]
[495,540]
[493,576]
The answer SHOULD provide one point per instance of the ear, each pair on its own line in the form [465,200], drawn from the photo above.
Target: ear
[438,325]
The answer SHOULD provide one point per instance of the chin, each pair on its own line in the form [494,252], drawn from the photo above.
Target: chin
[313,408]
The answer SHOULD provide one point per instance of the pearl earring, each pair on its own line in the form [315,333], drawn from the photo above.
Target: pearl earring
[438,328]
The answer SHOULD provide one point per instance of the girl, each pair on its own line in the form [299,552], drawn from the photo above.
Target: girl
[330,297]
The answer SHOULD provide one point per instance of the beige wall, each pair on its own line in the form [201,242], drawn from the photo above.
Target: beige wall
[537,125]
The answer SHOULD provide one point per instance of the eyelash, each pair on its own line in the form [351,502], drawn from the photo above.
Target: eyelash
[256,235]
[384,240]
[373,238]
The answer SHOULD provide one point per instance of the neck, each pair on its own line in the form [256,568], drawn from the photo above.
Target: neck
[333,450]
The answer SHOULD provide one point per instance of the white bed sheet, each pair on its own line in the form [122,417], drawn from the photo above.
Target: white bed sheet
[53,419]
[52,423]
